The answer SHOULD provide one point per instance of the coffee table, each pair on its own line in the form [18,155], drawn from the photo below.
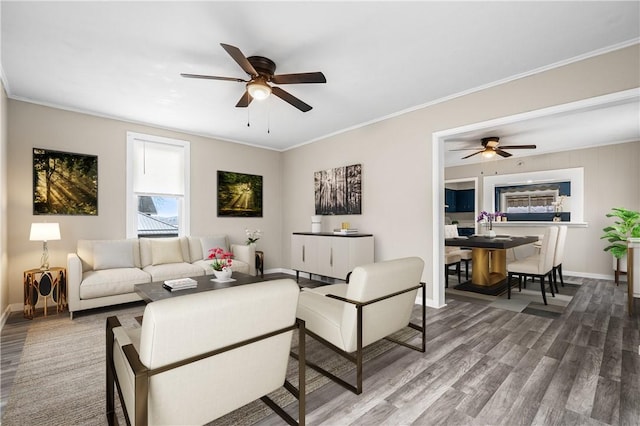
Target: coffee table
[153,291]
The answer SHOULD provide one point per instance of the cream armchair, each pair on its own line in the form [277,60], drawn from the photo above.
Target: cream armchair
[200,356]
[377,302]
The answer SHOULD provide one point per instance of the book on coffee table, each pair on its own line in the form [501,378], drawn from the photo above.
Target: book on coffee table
[180,284]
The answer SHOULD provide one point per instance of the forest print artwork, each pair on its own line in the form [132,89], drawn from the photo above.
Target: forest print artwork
[64,183]
[339,191]
[239,194]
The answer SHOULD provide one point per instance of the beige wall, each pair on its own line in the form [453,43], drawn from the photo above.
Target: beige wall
[4,255]
[396,154]
[38,126]
[611,177]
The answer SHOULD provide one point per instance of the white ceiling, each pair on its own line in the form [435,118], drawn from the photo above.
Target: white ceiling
[123,60]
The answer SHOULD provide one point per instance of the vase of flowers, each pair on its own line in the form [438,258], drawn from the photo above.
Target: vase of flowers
[487,220]
[253,235]
[222,261]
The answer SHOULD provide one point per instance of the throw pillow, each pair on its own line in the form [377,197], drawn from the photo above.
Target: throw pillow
[166,250]
[209,243]
[112,254]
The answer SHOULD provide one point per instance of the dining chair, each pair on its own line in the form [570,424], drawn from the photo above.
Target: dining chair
[536,266]
[451,231]
[451,258]
[559,255]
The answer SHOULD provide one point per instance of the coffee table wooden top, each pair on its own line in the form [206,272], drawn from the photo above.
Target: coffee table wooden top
[154,291]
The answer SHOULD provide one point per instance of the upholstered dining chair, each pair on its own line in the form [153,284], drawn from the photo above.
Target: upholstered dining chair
[536,266]
[377,302]
[559,255]
[451,231]
[451,258]
[199,356]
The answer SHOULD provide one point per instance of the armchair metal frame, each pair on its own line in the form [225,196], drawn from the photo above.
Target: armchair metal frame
[142,375]
[357,358]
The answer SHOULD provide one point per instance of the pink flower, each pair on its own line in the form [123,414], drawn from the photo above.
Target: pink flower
[222,260]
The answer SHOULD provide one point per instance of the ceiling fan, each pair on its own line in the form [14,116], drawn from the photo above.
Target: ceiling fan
[490,148]
[261,73]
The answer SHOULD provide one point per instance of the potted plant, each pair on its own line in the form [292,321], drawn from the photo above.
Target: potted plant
[221,263]
[626,225]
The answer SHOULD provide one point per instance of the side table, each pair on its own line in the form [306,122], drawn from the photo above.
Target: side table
[260,262]
[48,283]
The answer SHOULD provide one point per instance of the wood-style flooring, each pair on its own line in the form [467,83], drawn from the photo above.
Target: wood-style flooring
[483,366]
[489,366]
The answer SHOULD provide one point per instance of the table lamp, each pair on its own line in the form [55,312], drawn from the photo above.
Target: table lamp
[44,232]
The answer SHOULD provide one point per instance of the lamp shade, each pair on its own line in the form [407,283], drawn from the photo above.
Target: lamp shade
[44,232]
[258,89]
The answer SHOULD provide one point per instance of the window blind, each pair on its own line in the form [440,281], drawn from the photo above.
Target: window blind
[158,168]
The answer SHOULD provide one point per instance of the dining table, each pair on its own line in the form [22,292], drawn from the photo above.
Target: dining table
[489,260]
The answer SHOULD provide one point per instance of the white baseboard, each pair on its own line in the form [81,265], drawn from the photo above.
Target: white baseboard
[588,275]
[14,307]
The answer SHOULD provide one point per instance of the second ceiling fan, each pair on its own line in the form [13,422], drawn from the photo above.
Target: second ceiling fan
[261,72]
[490,147]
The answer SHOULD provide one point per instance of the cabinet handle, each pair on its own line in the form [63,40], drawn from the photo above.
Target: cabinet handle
[331,257]
[303,252]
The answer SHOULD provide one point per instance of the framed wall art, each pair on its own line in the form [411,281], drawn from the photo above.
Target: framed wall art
[239,195]
[339,191]
[64,183]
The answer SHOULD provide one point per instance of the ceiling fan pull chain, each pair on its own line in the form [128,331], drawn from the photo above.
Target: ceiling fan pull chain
[248,118]
[269,117]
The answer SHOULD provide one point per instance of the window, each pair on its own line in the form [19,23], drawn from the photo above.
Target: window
[157,186]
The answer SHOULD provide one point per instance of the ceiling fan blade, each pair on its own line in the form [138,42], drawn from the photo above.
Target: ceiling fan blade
[502,153]
[305,77]
[288,97]
[518,147]
[213,77]
[239,57]
[471,155]
[464,149]
[245,100]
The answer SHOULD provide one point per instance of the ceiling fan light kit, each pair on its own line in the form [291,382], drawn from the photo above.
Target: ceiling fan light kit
[261,72]
[259,89]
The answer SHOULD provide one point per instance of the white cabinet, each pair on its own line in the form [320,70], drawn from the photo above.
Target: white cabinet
[304,255]
[330,255]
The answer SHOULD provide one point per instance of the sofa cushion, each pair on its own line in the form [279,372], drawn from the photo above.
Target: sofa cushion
[85,251]
[146,249]
[208,243]
[170,271]
[110,282]
[165,250]
[113,254]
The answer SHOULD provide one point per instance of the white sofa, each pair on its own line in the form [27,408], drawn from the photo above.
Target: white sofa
[103,272]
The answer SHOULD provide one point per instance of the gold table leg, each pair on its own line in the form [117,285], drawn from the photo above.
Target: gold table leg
[489,266]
